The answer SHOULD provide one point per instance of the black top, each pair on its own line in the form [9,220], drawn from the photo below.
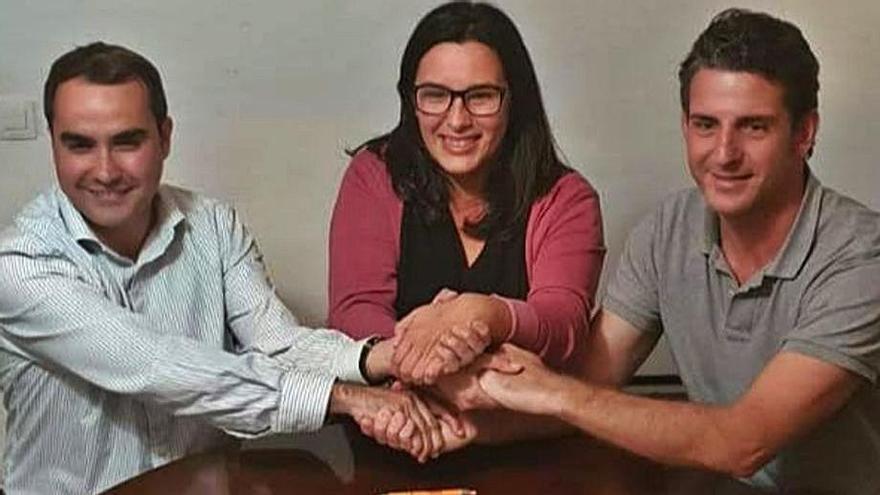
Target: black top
[432,258]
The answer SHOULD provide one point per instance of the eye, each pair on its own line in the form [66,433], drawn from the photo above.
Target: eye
[78,146]
[757,128]
[703,126]
[127,144]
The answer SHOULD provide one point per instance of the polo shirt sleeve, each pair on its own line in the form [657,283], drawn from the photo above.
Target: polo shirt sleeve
[633,293]
[839,320]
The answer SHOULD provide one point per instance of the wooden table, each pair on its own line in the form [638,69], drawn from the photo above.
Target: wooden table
[569,465]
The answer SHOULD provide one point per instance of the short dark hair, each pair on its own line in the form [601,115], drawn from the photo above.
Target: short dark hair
[526,165]
[745,41]
[102,63]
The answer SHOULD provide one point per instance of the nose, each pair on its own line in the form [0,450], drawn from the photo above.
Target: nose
[107,170]
[728,149]
[458,117]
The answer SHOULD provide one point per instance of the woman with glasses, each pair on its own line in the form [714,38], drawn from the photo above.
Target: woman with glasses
[466,204]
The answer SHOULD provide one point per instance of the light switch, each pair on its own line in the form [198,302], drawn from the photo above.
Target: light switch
[18,119]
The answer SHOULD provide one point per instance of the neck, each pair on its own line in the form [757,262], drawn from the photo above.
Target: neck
[750,242]
[467,199]
[128,239]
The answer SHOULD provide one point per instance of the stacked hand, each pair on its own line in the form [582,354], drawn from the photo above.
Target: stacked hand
[443,337]
[518,380]
[399,418]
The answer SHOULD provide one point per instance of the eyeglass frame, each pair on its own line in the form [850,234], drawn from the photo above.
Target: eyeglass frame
[462,94]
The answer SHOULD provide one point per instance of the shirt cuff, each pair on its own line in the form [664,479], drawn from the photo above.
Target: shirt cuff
[303,402]
[348,362]
[523,323]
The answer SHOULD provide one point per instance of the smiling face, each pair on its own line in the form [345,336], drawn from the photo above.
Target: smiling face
[108,152]
[463,144]
[742,150]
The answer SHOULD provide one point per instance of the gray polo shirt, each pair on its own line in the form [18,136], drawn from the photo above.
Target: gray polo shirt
[820,297]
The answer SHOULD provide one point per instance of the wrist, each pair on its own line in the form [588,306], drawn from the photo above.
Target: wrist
[571,395]
[340,399]
[494,312]
[375,364]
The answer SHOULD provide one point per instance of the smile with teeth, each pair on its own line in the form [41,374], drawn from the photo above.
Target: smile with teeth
[459,143]
[108,194]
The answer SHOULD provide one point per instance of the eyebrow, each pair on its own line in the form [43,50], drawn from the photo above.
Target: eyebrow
[74,138]
[124,136]
[130,135]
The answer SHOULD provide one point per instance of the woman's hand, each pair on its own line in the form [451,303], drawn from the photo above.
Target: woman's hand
[442,337]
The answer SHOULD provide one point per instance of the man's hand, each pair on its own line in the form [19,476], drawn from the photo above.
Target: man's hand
[518,380]
[442,337]
[462,389]
[457,436]
[393,418]
[397,418]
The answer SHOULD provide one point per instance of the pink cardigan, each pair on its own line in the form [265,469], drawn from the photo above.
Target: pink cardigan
[564,254]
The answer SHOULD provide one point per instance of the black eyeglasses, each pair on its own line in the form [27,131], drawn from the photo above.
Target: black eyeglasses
[480,101]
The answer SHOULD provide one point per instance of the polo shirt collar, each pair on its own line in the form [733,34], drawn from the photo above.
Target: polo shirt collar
[797,245]
[169,216]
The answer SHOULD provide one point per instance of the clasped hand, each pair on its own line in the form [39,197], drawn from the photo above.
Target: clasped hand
[443,337]
[401,419]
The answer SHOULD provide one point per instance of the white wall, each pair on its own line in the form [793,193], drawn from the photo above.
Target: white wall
[266,95]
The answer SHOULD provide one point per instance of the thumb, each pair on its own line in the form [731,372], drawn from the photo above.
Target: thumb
[501,364]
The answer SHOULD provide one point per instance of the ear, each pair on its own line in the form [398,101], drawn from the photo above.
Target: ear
[165,136]
[684,123]
[805,135]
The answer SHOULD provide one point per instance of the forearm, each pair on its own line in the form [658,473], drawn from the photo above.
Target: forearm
[670,432]
[503,426]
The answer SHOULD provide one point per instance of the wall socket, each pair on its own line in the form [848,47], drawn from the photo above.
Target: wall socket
[18,118]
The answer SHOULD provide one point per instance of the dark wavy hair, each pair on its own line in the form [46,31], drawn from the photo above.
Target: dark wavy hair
[745,41]
[102,63]
[526,165]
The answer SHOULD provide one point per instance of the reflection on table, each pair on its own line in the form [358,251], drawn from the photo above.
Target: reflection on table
[570,465]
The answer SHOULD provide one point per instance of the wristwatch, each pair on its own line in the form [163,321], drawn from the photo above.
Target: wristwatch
[362,362]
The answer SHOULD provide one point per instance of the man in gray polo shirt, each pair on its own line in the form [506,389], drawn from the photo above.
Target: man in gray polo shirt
[766,283]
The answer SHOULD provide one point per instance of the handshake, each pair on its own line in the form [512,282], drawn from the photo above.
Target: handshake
[443,363]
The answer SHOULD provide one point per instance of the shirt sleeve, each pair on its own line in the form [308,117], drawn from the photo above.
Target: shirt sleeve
[839,320]
[261,322]
[565,251]
[364,250]
[52,315]
[633,292]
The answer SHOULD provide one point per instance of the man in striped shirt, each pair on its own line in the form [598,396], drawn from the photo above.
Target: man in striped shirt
[137,322]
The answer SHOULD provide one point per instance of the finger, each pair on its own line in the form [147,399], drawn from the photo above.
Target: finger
[408,365]
[476,335]
[366,425]
[402,348]
[444,415]
[433,430]
[392,433]
[435,366]
[380,426]
[440,360]
[460,346]
[417,444]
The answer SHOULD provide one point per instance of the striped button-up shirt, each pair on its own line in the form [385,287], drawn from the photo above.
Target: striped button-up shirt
[111,367]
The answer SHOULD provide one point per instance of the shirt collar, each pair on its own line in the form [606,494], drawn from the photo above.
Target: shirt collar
[168,213]
[793,254]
